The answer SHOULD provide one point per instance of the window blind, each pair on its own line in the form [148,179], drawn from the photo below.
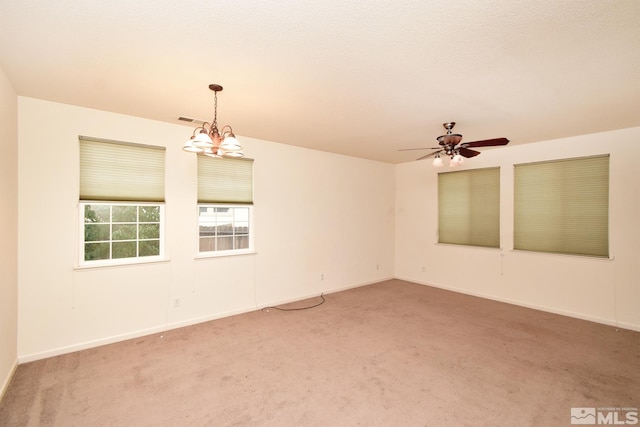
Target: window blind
[225,180]
[562,206]
[469,207]
[120,171]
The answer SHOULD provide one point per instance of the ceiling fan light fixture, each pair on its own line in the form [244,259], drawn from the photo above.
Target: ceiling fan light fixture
[206,139]
[437,162]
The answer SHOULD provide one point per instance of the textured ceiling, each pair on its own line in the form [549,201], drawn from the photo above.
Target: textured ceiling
[349,76]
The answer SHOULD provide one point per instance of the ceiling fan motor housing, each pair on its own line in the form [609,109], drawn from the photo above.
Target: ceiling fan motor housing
[451,144]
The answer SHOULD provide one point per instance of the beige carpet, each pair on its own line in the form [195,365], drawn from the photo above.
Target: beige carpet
[389,354]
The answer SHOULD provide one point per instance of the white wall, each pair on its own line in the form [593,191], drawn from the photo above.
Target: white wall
[8,231]
[323,222]
[316,215]
[606,291]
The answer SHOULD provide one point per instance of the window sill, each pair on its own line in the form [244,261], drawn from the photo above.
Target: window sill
[121,264]
[563,254]
[460,245]
[223,255]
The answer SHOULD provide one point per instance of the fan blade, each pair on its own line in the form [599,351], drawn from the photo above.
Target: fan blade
[465,152]
[486,143]
[429,155]
[423,148]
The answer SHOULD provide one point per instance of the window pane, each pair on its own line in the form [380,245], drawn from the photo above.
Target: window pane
[224,230]
[242,242]
[124,249]
[96,232]
[224,243]
[207,230]
[123,232]
[241,228]
[95,251]
[207,244]
[149,247]
[241,214]
[149,231]
[125,213]
[149,213]
[97,213]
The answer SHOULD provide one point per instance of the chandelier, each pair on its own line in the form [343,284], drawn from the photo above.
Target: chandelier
[210,141]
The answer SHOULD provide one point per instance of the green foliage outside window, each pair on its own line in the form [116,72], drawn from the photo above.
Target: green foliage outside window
[121,231]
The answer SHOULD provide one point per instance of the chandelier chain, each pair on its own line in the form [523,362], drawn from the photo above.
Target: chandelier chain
[214,125]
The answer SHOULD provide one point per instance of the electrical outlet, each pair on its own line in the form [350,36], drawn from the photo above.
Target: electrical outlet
[322,276]
[176,303]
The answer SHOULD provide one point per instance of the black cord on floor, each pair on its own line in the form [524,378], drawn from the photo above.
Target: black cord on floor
[296,309]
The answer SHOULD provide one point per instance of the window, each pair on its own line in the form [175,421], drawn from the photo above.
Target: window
[121,202]
[225,206]
[469,207]
[224,228]
[562,206]
[118,231]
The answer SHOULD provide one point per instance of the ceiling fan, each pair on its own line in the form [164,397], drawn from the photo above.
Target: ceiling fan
[451,145]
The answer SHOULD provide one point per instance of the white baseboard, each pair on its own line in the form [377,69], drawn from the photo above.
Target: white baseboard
[609,322]
[7,380]
[332,291]
[123,337]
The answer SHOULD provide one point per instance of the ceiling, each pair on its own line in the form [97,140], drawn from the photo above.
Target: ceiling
[346,76]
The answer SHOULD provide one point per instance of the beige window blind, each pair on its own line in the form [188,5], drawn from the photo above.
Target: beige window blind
[469,207]
[225,180]
[562,206]
[119,171]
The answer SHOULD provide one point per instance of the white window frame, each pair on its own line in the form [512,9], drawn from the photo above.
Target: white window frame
[119,261]
[219,253]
